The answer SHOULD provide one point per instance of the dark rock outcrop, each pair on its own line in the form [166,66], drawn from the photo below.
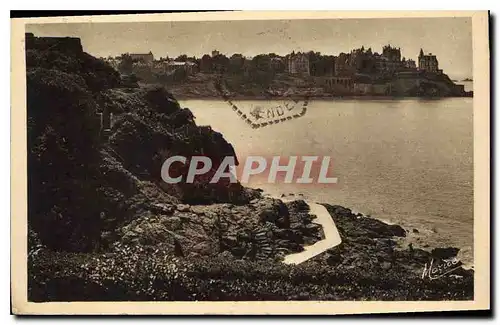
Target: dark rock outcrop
[355,226]
[82,184]
[445,253]
[368,246]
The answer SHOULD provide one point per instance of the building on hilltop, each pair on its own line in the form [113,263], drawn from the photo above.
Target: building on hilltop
[114,62]
[409,64]
[389,61]
[366,62]
[428,62]
[298,63]
[391,53]
[147,58]
[168,67]
[338,83]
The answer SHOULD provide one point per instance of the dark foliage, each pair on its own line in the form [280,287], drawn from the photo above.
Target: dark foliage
[138,275]
[81,182]
[63,152]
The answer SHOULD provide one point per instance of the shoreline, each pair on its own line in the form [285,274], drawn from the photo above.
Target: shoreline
[330,231]
[402,242]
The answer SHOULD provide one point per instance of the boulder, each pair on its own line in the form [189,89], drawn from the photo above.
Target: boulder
[369,227]
[333,257]
[290,235]
[243,236]
[129,237]
[171,223]
[310,240]
[445,253]
[198,209]
[238,251]
[421,255]
[226,255]
[271,210]
[385,265]
[341,211]
[203,248]
[312,228]
[229,241]
[364,240]
[161,208]
[183,207]
[298,206]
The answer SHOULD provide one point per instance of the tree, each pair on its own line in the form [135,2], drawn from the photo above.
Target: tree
[179,74]
[220,63]
[206,63]
[262,62]
[126,63]
[236,62]
[182,58]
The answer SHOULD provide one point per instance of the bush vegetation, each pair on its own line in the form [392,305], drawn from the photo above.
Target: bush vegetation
[137,274]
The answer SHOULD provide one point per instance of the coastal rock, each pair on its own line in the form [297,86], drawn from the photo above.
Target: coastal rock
[129,237]
[298,206]
[364,240]
[445,253]
[385,265]
[183,207]
[341,211]
[229,241]
[272,210]
[349,223]
[172,223]
[290,235]
[226,255]
[162,208]
[203,248]
[421,256]
[334,257]
[312,228]
[310,240]
[238,251]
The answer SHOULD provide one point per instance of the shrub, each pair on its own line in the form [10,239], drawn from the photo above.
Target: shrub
[138,274]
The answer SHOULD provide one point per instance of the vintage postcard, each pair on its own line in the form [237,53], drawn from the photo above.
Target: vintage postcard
[251,163]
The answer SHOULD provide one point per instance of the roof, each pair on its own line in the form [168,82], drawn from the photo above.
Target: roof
[141,54]
[180,63]
[430,57]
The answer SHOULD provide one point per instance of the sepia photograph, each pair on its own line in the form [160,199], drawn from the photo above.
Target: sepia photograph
[289,158]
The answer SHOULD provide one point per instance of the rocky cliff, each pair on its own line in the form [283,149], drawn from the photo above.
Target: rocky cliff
[83,181]
[94,186]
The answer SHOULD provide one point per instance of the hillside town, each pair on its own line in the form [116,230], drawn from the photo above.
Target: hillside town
[359,72]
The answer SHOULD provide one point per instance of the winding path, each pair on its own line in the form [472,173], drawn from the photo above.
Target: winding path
[332,236]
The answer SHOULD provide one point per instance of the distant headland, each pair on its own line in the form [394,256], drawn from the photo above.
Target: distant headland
[361,72]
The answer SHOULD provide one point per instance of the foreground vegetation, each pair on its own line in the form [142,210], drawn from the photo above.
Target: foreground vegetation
[152,275]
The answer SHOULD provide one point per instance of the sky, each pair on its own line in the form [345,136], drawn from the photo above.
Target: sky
[450,39]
